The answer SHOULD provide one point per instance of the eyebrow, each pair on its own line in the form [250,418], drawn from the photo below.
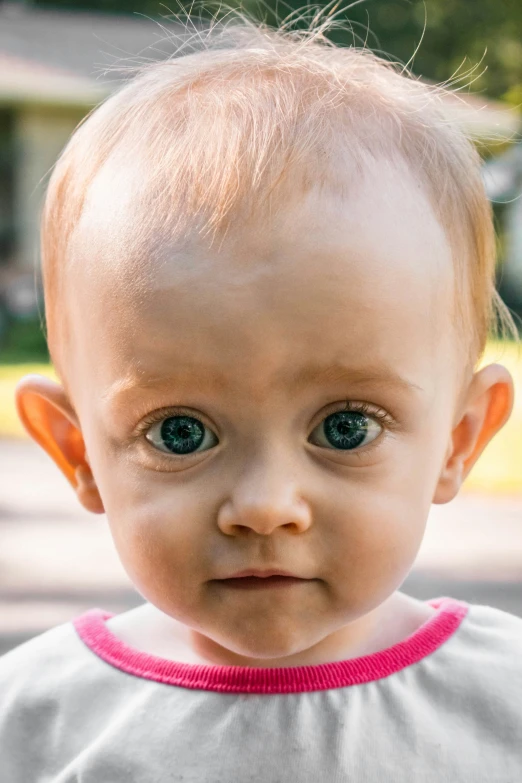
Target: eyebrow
[385,377]
[381,376]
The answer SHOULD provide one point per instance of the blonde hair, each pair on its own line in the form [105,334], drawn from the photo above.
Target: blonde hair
[256,115]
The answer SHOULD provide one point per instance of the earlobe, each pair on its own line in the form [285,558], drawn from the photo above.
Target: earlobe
[87,490]
[49,418]
[487,408]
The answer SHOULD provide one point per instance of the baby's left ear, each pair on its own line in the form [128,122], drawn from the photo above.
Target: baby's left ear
[486,409]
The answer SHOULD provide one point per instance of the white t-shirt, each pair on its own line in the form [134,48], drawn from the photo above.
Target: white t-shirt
[78,705]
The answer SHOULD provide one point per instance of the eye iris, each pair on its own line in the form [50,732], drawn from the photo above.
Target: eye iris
[345,429]
[182,434]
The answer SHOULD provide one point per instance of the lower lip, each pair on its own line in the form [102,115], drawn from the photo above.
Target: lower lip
[261,583]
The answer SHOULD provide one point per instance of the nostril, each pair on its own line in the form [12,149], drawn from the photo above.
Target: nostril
[264,520]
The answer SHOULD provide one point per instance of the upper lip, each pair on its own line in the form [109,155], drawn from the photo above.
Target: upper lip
[261,573]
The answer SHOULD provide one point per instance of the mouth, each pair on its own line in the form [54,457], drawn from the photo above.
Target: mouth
[261,583]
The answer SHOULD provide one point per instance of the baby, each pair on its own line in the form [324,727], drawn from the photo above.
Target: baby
[269,278]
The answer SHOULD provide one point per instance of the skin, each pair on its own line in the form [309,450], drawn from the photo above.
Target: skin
[363,281]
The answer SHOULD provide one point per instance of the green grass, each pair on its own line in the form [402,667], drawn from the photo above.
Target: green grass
[498,470]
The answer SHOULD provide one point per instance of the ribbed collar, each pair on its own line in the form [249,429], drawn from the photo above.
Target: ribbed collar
[94,632]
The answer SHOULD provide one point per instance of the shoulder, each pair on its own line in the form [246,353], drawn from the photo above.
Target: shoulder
[479,649]
[497,633]
[44,657]
[44,646]
[482,660]
[44,683]
[43,676]
[486,636]
[49,666]
[46,695]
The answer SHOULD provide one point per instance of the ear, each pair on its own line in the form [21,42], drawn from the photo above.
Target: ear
[50,419]
[486,408]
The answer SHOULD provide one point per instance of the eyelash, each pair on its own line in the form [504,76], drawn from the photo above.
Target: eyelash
[366,409]
[353,407]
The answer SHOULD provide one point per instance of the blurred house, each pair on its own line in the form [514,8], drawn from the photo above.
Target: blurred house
[503,181]
[53,71]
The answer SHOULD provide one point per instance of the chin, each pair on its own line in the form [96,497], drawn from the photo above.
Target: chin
[266,647]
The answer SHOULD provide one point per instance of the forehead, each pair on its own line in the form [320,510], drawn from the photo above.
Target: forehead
[363,279]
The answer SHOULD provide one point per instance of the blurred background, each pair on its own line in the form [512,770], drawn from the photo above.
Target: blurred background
[58,60]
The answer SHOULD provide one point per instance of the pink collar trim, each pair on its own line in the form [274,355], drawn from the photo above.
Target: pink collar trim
[94,632]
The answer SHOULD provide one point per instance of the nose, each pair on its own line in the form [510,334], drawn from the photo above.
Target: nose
[264,498]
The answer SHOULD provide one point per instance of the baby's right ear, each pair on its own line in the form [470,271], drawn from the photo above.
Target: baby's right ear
[49,418]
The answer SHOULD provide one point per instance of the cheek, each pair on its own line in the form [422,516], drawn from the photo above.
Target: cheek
[375,540]
[373,558]
[158,526]
[160,546]
[372,534]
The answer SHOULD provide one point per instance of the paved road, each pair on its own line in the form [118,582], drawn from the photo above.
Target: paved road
[57,560]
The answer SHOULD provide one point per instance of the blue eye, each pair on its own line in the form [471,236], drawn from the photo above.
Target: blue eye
[346,430]
[181,435]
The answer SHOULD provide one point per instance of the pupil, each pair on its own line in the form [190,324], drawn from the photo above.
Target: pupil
[345,429]
[182,434]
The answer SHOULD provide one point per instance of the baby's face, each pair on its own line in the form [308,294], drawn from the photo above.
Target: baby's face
[221,411]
